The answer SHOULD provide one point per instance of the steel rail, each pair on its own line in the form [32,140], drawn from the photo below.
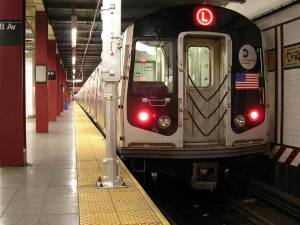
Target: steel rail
[273,196]
[250,214]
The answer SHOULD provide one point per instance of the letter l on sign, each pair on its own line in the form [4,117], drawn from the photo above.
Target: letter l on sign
[204,16]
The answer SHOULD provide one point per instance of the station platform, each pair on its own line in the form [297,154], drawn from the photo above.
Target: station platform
[45,191]
[129,205]
[56,189]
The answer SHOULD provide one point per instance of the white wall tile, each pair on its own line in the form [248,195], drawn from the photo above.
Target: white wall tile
[291,121]
[291,32]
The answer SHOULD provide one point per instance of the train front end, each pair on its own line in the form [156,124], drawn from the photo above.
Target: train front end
[193,86]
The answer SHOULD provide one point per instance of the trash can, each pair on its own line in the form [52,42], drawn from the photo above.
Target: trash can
[66,105]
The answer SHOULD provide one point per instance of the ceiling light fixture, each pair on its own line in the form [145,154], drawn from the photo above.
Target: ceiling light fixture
[74,31]
[73,59]
[74,38]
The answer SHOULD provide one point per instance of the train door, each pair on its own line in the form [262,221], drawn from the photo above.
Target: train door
[204,90]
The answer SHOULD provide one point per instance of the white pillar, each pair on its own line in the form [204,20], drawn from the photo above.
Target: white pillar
[110,73]
[30,97]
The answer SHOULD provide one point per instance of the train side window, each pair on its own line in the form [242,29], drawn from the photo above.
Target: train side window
[199,66]
[153,67]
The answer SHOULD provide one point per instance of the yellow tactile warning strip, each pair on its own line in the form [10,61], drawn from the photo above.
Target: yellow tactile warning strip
[129,205]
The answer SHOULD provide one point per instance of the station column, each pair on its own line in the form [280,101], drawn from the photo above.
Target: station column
[64,90]
[58,85]
[52,80]
[61,88]
[41,89]
[12,90]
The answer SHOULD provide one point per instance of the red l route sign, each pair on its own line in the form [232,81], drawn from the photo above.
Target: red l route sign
[204,16]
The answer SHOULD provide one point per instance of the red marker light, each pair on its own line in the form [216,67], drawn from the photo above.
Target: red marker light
[142,61]
[143,116]
[253,115]
[204,16]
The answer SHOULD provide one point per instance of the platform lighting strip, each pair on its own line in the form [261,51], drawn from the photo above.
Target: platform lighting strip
[73,59]
[74,42]
[74,31]
[73,56]
[90,35]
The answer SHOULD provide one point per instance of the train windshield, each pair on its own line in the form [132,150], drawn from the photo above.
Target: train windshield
[153,67]
[199,66]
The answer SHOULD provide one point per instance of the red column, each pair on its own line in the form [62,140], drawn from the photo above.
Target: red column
[63,89]
[41,89]
[58,85]
[52,80]
[60,89]
[12,95]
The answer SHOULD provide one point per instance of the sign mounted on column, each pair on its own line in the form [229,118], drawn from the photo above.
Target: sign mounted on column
[41,74]
[11,32]
[51,75]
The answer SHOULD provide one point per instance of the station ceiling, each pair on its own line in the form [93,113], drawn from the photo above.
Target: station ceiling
[60,12]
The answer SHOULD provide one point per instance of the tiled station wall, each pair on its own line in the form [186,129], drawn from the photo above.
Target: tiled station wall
[282,37]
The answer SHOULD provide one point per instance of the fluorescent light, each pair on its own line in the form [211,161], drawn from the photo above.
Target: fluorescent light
[74,71]
[74,37]
[73,77]
[74,30]
[73,60]
[75,81]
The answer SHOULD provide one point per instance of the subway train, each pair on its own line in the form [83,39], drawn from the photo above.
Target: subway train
[192,92]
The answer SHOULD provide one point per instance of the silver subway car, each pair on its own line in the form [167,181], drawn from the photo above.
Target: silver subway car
[192,92]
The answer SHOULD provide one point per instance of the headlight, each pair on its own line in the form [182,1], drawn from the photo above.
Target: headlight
[164,122]
[239,121]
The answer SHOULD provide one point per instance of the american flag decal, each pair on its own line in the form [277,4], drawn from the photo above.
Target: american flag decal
[247,81]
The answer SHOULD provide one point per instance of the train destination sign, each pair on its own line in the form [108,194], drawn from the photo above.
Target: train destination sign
[11,32]
[204,16]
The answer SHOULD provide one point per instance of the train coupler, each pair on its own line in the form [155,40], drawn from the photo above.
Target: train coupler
[205,175]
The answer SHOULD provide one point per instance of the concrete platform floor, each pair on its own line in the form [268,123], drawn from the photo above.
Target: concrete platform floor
[44,192]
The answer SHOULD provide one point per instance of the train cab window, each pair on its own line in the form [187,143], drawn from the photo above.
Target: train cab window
[153,67]
[199,66]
